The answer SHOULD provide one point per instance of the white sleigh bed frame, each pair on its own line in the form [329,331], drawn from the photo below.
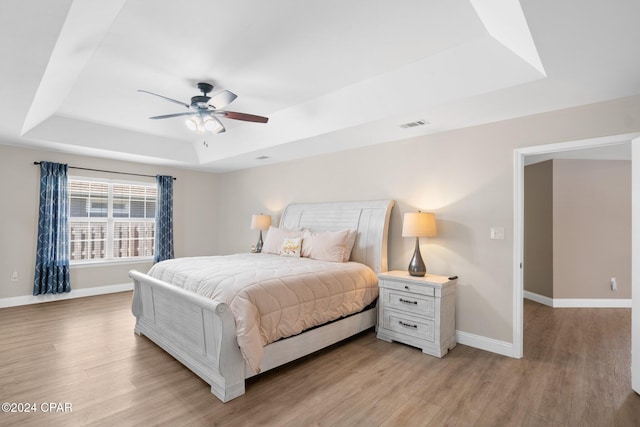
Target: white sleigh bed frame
[201,332]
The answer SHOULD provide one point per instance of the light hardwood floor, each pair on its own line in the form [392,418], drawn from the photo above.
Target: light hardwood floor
[83,352]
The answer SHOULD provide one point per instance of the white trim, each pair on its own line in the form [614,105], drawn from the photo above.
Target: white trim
[635,266]
[541,299]
[484,343]
[109,220]
[518,253]
[578,302]
[75,293]
[116,261]
[150,181]
[591,303]
[577,145]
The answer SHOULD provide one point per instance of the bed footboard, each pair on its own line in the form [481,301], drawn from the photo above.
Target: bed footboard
[197,331]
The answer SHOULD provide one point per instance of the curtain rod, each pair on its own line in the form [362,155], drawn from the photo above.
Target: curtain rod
[102,170]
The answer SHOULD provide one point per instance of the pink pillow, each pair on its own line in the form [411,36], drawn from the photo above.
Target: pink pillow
[325,245]
[275,237]
[348,247]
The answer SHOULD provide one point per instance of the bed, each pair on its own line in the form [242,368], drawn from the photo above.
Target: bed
[200,332]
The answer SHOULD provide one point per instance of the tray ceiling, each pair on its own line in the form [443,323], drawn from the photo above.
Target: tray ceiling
[330,75]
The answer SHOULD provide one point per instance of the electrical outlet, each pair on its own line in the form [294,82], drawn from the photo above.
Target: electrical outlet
[614,284]
[14,276]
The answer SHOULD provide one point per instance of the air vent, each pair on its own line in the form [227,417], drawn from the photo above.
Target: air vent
[262,157]
[414,124]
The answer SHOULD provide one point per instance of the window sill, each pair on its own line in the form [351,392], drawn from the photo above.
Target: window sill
[111,262]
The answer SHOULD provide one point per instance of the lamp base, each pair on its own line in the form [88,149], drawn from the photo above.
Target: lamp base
[416,266]
[259,244]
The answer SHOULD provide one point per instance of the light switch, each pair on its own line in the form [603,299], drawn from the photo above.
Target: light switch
[497,233]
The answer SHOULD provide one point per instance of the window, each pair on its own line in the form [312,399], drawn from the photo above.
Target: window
[111,220]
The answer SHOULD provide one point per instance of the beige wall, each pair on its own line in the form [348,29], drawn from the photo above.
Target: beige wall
[578,228]
[592,228]
[464,176]
[538,229]
[195,219]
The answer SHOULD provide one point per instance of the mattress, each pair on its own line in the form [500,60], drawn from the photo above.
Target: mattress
[271,296]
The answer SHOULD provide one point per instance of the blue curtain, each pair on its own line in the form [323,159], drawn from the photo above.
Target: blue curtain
[52,256]
[164,219]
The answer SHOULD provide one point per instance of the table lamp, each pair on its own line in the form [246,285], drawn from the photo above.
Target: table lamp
[418,224]
[260,222]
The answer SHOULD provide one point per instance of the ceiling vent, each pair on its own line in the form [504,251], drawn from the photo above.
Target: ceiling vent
[414,124]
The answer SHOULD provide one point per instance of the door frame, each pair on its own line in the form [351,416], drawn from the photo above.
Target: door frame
[518,236]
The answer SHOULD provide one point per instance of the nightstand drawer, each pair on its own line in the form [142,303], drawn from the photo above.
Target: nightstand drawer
[408,287]
[418,311]
[413,303]
[423,329]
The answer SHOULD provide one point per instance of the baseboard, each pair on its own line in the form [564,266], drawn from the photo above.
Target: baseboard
[541,299]
[578,302]
[484,343]
[591,303]
[75,293]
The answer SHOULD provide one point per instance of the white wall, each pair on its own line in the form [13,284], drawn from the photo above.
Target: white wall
[578,228]
[464,176]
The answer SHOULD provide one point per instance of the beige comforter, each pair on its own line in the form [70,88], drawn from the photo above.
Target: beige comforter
[273,297]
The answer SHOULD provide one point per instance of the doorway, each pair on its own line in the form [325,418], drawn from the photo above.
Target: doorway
[520,156]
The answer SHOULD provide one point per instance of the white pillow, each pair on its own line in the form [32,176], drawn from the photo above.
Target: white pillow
[325,245]
[275,237]
[291,247]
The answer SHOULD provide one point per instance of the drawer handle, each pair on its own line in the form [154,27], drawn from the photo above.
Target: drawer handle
[406,287]
[406,301]
[407,325]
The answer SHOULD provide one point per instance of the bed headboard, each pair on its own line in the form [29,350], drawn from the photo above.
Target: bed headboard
[369,218]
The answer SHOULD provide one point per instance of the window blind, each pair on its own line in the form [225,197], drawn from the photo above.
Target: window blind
[111,220]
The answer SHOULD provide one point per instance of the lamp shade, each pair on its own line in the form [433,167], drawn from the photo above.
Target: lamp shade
[419,224]
[260,222]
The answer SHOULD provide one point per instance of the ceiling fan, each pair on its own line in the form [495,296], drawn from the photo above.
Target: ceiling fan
[205,110]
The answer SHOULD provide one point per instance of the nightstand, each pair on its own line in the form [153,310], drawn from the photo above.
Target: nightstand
[418,311]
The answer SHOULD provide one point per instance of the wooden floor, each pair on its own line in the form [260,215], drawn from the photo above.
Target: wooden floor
[83,352]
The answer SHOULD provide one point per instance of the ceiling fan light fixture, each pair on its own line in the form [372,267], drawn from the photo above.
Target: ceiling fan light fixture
[212,125]
[192,124]
[204,109]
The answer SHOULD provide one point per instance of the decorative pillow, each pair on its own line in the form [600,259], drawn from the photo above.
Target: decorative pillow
[275,237]
[291,247]
[324,245]
[348,247]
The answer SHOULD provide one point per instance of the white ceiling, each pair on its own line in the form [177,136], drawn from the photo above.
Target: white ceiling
[330,75]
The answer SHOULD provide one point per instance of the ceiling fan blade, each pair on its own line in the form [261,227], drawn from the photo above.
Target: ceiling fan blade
[168,116]
[244,116]
[168,99]
[222,99]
